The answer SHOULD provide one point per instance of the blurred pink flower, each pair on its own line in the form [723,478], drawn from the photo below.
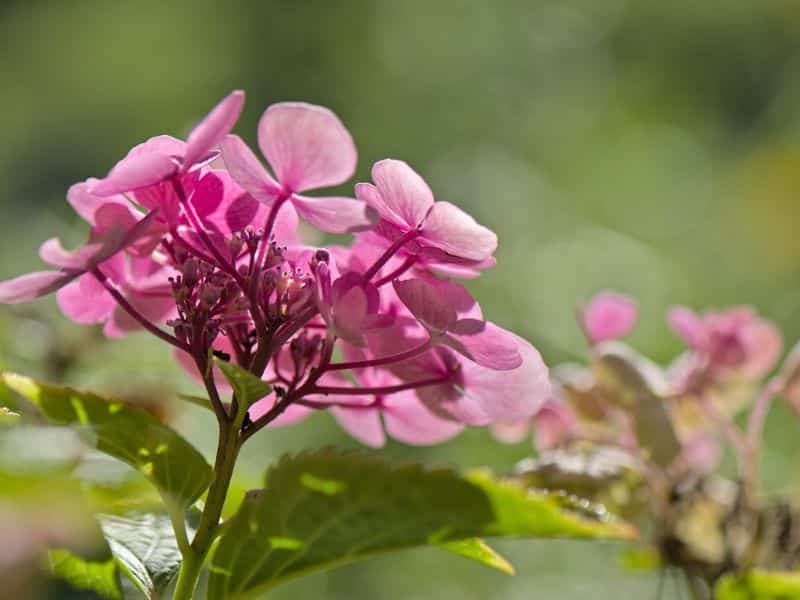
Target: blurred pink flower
[609,316]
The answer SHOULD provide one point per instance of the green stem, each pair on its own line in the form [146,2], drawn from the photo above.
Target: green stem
[193,559]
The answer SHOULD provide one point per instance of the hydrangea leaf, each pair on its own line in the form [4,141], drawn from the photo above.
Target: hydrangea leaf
[478,550]
[145,549]
[130,434]
[635,384]
[322,509]
[99,577]
[248,388]
[759,585]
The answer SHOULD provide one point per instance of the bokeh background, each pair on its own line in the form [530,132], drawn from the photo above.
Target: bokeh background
[650,147]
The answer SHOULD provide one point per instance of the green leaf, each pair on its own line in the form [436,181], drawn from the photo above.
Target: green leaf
[145,548]
[124,432]
[478,550]
[323,509]
[98,577]
[759,585]
[247,387]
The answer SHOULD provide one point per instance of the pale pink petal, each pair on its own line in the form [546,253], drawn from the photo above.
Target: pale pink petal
[687,325]
[135,172]
[86,204]
[213,128]
[85,301]
[764,344]
[457,233]
[364,424]
[485,343]
[609,316]
[293,414]
[334,214]
[408,421]
[401,196]
[701,454]
[508,395]
[427,303]
[32,285]
[554,424]
[307,146]
[53,253]
[348,316]
[248,171]
[511,432]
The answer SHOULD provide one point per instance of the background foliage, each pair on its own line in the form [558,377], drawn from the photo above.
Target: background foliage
[653,147]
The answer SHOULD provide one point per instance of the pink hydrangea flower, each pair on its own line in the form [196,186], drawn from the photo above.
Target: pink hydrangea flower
[410,219]
[609,316]
[159,159]
[733,339]
[217,270]
[307,147]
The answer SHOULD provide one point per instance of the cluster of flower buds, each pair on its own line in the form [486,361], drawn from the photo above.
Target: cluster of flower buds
[197,242]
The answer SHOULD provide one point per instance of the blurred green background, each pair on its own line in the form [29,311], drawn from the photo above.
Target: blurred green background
[651,147]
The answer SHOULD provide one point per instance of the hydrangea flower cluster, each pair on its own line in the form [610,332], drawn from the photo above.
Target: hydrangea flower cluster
[671,420]
[197,242]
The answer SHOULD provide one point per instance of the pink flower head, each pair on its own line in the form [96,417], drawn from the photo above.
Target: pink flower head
[113,233]
[452,317]
[733,339]
[609,316]
[307,147]
[161,158]
[438,231]
[554,424]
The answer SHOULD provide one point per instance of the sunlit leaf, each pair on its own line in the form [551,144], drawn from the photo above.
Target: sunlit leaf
[635,384]
[478,550]
[759,585]
[129,434]
[99,577]
[247,387]
[323,509]
[145,548]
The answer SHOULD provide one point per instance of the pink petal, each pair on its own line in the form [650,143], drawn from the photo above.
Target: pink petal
[53,253]
[85,203]
[508,395]
[764,346]
[554,424]
[362,423]
[348,316]
[307,146]
[334,214]
[248,171]
[135,172]
[85,301]
[427,303]
[609,316]
[294,414]
[32,285]
[400,195]
[207,194]
[687,325]
[457,233]
[215,126]
[485,343]
[408,421]
[511,432]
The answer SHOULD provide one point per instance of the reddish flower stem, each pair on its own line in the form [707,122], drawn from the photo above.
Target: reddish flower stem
[127,307]
[380,390]
[385,360]
[407,264]
[390,251]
